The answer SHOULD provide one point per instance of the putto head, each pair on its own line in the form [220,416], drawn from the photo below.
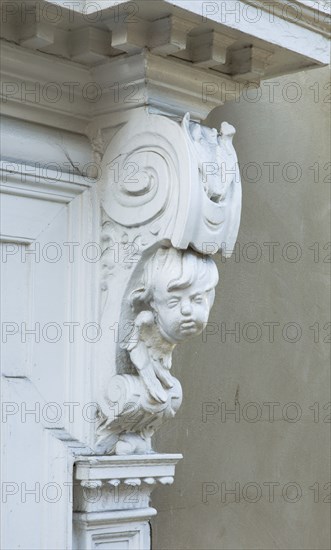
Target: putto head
[179,287]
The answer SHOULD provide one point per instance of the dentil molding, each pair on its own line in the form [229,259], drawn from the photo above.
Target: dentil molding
[67,64]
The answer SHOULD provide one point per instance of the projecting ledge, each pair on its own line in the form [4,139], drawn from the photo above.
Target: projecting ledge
[111,499]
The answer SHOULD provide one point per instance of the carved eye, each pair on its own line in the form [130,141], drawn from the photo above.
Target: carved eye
[198,299]
[173,302]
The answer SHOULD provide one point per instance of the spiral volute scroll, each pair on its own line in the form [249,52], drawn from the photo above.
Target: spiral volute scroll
[139,186]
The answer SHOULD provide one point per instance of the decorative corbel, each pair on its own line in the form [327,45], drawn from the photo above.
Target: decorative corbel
[170,198]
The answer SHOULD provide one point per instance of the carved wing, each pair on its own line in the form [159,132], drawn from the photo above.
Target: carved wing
[140,345]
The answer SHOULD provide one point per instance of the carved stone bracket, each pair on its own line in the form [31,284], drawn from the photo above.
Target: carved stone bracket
[171,197]
[138,79]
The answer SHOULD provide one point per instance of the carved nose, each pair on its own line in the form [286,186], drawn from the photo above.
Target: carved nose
[186,308]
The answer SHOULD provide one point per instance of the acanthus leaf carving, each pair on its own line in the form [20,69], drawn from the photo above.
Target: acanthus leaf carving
[219,178]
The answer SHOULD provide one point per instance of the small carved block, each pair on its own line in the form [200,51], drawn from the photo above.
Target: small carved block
[89,45]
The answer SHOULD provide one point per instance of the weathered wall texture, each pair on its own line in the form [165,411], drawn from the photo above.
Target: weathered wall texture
[224,450]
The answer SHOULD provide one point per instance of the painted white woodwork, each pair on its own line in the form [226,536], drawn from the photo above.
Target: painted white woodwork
[42,371]
[44,152]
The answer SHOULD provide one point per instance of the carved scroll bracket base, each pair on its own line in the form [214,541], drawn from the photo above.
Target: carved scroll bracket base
[111,499]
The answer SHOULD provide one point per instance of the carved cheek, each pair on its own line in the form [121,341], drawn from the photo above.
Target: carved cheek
[172,315]
[203,316]
[203,311]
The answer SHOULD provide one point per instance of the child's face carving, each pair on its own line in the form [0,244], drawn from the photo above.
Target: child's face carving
[181,313]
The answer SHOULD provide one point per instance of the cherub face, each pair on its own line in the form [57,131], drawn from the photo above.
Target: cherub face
[181,313]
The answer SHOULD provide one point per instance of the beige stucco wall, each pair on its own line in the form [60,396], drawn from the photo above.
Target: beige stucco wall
[214,371]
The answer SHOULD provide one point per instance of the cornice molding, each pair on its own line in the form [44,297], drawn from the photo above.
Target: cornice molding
[160,57]
[167,86]
[313,14]
[310,14]
[103,468]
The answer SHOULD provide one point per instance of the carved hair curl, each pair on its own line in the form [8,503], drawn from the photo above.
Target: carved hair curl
[186,266]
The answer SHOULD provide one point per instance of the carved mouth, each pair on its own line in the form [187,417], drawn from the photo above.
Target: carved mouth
[188,325]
